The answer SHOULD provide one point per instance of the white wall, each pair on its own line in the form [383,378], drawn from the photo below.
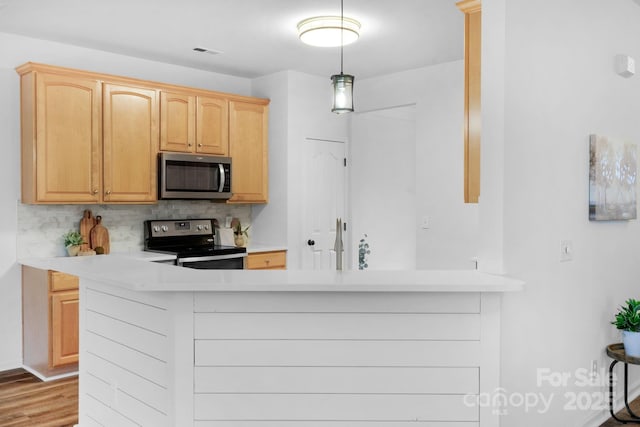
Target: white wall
[14,51]
[383,187]
[309,116]
[560,87]
[269,224]
[452,238]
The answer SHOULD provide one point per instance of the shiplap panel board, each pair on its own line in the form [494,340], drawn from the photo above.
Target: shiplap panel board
[337,353]
[337,326]
[337,380]
[99,404]
[344,407]
[148,298]
[323,302]
[132,336]
[119,401]
[332,424]
[151,394]
[102,415]
[136,313]
[146,366]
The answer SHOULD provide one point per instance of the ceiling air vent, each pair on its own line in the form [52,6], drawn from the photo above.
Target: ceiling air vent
[206,50]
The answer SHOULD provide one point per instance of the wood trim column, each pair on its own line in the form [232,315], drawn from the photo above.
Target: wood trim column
[472,10]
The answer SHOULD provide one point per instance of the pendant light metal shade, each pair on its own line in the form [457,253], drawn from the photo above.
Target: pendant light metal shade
[342,83]
[342,93]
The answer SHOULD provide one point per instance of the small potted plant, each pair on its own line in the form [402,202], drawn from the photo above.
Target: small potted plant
[239,233]
[628,320]
[72,241]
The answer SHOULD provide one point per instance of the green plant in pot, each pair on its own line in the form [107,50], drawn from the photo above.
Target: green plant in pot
[628,321]
[72,241]
[240,235]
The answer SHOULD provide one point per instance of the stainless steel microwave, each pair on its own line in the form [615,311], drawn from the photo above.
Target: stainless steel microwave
[193,176]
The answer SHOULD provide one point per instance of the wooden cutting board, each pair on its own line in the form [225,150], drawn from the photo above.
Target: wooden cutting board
[99,236]
[86,224]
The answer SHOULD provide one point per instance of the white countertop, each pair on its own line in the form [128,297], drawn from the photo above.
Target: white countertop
[258,247]
[131,273]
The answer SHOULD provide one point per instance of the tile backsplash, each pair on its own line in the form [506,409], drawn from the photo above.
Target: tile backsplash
[40,227]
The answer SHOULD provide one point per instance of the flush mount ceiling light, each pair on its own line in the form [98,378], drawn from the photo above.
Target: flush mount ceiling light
[325,31]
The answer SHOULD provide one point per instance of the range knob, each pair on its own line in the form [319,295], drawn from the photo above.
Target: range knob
[206,227]
[199,227]
[164,228]
[156,228]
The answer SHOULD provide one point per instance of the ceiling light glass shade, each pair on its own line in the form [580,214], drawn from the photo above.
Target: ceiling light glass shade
[324,31]
[342,93]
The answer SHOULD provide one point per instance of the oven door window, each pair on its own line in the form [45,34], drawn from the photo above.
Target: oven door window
[222,264]
[192,176]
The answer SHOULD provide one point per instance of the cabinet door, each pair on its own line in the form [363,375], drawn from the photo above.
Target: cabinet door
[177,122]
[64,328]
[212,126]
[67,143]
[249,152]
[130,144]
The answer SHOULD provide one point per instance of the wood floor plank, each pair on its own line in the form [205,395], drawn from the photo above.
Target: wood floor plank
[25,401]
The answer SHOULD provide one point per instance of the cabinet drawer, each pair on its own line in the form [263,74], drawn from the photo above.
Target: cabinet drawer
[267,260]
[62,281]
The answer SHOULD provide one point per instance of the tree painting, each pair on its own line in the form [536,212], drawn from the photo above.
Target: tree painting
[613,169]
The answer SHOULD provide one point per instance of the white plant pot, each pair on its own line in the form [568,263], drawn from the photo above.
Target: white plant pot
[631,341]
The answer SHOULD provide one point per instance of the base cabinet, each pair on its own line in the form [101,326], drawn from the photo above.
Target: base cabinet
[50,333]
[272,260]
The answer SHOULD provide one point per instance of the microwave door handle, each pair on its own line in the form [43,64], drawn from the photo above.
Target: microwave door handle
[222,178]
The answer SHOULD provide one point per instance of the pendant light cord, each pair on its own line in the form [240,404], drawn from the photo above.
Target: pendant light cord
[341,34]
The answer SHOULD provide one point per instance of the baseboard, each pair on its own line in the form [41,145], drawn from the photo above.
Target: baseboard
[50,377]
[9,365]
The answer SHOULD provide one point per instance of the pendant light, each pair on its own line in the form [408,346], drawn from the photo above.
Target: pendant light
[342,83]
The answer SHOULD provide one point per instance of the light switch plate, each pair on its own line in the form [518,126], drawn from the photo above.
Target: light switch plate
[227,221]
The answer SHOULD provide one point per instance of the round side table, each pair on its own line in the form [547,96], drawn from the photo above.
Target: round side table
[616,352]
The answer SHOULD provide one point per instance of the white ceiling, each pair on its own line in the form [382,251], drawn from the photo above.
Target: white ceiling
[257,37]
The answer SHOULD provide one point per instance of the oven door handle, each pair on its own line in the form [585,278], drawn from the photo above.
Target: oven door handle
[210,258]
[222,178]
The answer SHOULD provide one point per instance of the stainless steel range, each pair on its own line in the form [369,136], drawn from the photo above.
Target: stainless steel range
[193,241]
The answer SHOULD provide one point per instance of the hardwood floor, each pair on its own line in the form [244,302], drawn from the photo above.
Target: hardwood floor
[25,401]
[635,407]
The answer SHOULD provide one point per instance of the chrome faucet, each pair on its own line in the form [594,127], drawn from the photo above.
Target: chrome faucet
[338,246]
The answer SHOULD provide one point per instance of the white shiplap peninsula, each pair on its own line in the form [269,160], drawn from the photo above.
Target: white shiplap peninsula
[169,346]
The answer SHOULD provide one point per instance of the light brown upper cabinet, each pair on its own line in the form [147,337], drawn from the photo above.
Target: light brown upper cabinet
[177,122]
[472,10]
[194,124]
[84,140]
[130,144]
[248,147]
[94,138]
[61,138]
[212,126]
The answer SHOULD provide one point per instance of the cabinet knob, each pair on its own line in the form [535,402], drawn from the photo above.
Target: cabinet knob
[311,242]
[94,191]
[108,192]
[199,145]
[190,145]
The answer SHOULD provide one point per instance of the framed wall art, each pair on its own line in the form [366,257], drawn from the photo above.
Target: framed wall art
[613,167]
